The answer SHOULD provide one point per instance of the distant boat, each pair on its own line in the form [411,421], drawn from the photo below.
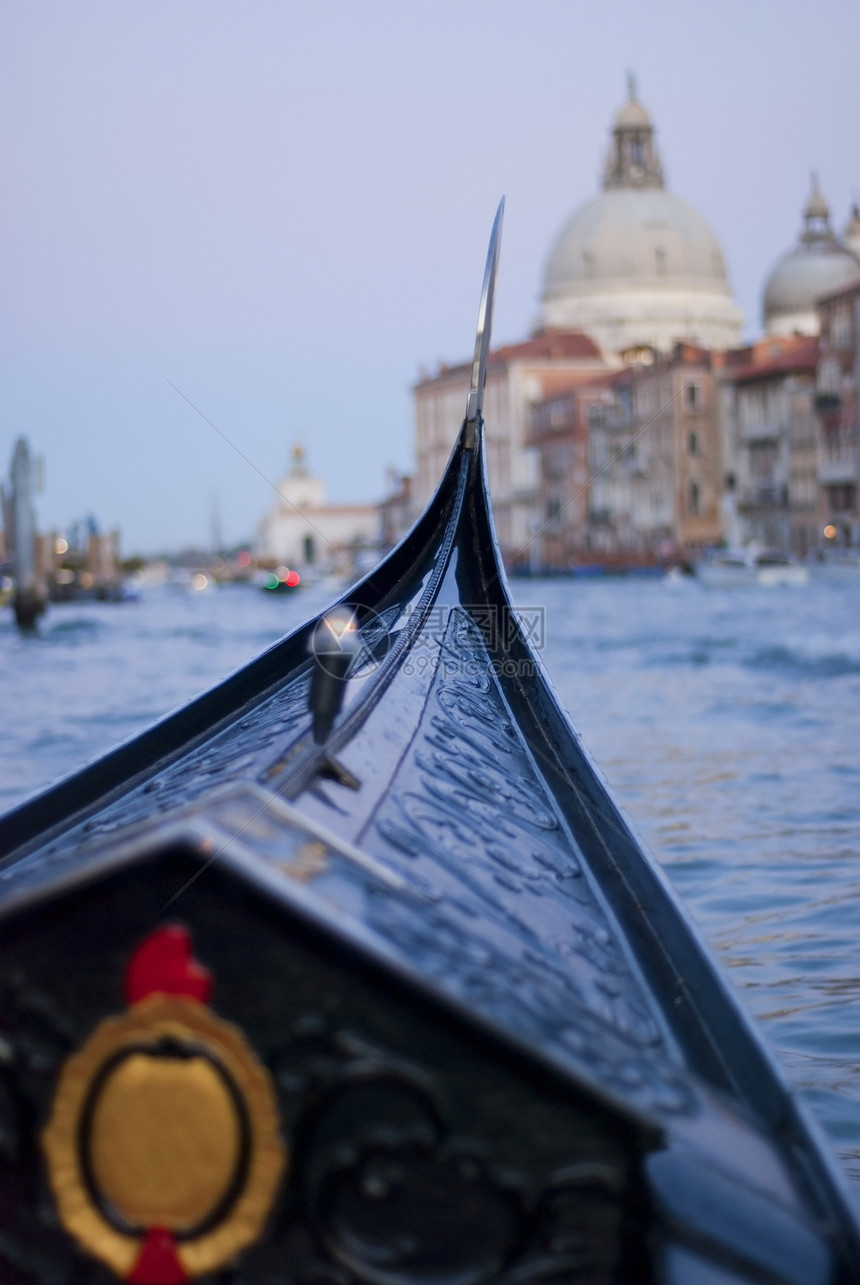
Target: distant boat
[739,568]
[183,580]
[280,580]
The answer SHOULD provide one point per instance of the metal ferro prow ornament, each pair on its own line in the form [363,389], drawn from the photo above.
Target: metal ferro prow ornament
[475,399]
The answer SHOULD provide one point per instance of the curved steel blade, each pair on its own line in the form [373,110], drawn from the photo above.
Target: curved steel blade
[475,400]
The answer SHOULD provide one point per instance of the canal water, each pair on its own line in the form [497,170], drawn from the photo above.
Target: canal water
[727,723]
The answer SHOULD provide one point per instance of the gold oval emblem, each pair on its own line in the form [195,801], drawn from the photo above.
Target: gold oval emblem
[163,1141]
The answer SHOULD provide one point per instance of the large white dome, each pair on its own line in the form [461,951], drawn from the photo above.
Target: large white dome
[620,237]
[817,264]
[636,266]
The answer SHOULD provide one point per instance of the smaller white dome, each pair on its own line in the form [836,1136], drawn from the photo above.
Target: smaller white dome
[818,263]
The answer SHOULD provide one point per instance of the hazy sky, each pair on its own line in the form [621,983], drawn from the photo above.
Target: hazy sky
[283,209]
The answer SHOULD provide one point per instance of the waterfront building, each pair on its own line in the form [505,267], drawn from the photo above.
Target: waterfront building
[635,266]
[396,510]
[560,431]
[86,565]
[817,263]
[770,444]
[634,272]
[518,375]
[630,464]
[600,450]
[838,377]
[301,531]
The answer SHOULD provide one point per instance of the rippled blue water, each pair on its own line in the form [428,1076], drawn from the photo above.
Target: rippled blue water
[727,723]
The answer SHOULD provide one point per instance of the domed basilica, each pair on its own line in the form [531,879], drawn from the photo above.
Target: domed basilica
[636,299]
[636,267]
[816,265]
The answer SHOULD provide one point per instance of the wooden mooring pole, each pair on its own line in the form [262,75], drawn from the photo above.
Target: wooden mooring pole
[30,595]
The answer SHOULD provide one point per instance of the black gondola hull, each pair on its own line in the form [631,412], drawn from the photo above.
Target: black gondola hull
[494,1046]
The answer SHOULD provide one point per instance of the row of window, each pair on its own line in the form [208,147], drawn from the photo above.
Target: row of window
[555,508]
[599,416]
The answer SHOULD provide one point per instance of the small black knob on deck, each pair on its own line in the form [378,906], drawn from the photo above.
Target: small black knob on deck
[334,645]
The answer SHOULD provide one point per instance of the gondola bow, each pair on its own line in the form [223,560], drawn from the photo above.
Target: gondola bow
[385,994]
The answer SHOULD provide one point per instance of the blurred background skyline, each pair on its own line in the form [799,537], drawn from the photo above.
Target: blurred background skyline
[284,211]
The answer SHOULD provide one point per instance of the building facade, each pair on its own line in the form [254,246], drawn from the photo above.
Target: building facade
[396,510]
[757,446]
[770,444]
[560,433]
[518,376]
[837,381]
[631,465]
[634,426]
[301,531]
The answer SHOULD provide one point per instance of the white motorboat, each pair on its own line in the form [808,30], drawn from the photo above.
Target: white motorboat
[737,568]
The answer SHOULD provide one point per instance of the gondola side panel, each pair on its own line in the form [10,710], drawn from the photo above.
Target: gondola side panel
[412,1148]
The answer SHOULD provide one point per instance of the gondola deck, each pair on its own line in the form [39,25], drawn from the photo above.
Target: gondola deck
[467,1033]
